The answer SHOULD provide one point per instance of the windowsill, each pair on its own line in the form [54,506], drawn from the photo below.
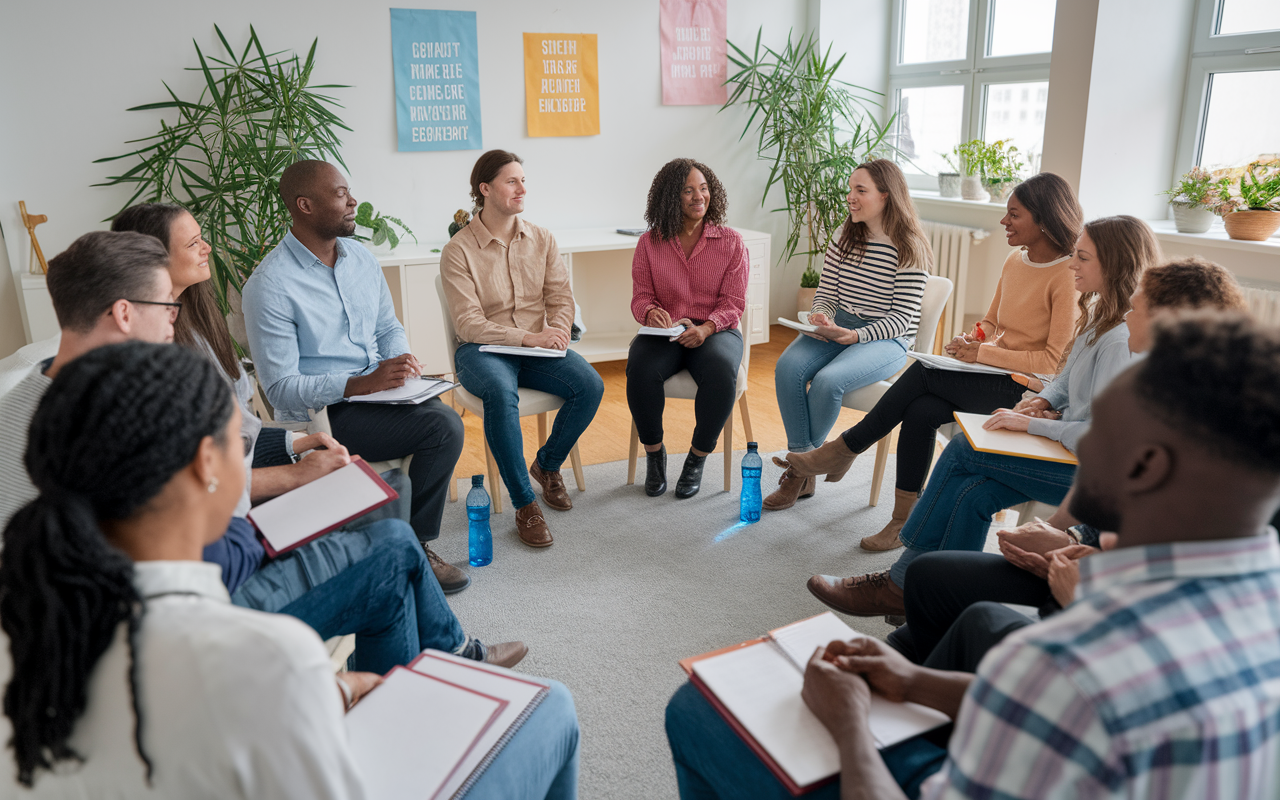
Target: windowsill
[1167,231]
[929,197]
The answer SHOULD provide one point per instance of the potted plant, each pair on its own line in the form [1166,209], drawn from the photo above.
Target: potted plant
[949,182]
[1002,170]
[1252,212]
[808,288]
[971,156]
[1190,199]
[380,228]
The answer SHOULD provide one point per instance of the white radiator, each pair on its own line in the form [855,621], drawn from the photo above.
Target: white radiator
[1264,305]
[951,245]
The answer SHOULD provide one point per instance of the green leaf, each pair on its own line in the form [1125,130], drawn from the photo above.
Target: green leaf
[391,237]
[364,215]
[380,231]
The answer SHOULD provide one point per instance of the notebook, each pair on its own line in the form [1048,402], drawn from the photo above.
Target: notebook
[295,518]
[797,326]
[512,350]
[414,391]
[931,361]
[410,736]
[671,333]
[1011,443]
[522,694]
[756,687]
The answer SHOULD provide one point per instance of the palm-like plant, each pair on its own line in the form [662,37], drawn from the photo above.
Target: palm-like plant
[815,129]
[222,159]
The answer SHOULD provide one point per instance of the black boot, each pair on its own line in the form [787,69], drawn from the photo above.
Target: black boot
[655,481]
[691,476]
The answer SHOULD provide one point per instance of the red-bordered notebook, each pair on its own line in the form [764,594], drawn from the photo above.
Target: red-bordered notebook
[326,504]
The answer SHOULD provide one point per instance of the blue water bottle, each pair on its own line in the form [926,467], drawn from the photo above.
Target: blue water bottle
[751,502]
[480,539]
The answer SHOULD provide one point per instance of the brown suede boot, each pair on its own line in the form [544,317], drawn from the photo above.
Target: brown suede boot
[790,488]
[887,539]
[833,459]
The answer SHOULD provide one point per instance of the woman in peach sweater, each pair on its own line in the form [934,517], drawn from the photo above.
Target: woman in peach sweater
[1027,329]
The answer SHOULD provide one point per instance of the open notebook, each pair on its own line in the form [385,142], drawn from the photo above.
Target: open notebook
[756,687]
[515,350]
[414,391]
[327,503]
[1011,443]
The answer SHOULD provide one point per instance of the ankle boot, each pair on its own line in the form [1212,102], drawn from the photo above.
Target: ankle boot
[791,487]
[655,481]
[887,539]
[833,459]
[690,476]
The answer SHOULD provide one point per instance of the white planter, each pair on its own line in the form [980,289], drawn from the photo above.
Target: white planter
[971,188]
[1191,219]
[949,184]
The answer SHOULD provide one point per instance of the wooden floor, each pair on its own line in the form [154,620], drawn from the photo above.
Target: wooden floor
[609,435]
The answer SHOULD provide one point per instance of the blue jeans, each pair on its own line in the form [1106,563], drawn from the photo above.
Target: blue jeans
[541,760]
[965,491]
[374,582]
[496,379]
[829,370]
[713,763]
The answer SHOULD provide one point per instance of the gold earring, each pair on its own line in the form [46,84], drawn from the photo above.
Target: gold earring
[213,485]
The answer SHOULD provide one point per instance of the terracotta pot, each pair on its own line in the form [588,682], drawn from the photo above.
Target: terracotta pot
[1191,219]
[1254,225]
[804,299]
[971,188]
[949,184]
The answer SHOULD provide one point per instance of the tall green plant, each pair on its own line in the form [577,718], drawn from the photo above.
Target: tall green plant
[223,155]
[813,127]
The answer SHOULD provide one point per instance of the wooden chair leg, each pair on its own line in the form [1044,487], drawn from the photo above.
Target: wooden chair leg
[542,429]
[728,453]
[495,488]
[746,417]
[633,454]
[575,458]
[877,477]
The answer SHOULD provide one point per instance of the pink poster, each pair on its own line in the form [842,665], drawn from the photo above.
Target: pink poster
[694,64]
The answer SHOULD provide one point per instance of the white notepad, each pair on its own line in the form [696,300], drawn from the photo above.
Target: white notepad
[672,332]
[415,390]
[410,735]
[512,350]
[956,365]
[328,502]
[797,326]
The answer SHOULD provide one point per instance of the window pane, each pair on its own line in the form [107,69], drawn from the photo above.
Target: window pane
[929,124]
[1021,26]
[1248,16]
[1016,111]
[1242,119]
[934,30]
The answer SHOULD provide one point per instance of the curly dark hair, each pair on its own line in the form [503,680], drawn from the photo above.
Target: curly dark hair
[1192,282]
[662,211]
[1216,377]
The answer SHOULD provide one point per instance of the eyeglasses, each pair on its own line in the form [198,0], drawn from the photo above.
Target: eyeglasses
[174,308]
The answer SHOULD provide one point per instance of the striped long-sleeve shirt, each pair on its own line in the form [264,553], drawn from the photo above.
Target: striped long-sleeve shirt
[873,288]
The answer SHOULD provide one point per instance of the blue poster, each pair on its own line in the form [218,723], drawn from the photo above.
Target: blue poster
[437,69]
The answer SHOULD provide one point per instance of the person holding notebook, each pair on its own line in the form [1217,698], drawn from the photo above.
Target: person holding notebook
[1158,681]
[690,270]
[1027,329]
[127,671]
[506,284]
[322,328]
[968,487]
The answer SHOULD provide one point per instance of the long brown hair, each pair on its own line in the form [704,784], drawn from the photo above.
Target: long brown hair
[200,313]
[1126,248]
[899,220]
[1054,207]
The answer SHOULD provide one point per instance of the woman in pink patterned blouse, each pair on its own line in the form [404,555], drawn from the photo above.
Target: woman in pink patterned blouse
[689,270]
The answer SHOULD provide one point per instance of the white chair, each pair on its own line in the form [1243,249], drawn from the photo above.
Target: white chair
[532,402]
[681,386]
[15,368]
[936,292]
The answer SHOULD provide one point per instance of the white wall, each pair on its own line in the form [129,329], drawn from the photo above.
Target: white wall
[72,68]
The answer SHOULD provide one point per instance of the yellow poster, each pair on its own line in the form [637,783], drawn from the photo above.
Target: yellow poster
[561,84]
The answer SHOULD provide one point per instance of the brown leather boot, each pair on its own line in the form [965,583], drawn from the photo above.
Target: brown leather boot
[887,538]
[532,527]
[790,488]
[861,596]
[553,492]
[833,459]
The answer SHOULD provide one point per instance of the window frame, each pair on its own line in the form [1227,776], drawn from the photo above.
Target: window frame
[975,73]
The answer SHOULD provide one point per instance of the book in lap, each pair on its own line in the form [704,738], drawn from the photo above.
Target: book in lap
[756,687]
[670,333]
[326,504]
[414,391]
[515,350]
[1011,443]
[430,730]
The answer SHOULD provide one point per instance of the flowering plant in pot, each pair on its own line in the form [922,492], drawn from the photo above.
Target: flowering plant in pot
[1190,200]
[1251,209]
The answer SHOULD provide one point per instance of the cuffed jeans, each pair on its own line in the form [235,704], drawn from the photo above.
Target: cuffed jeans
[496,379]
[966,490]
[541,760]
[374,582]
[714,367]
[829,370]
[713,763]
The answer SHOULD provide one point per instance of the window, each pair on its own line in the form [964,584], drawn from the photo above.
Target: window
[968,69]
[1230,116]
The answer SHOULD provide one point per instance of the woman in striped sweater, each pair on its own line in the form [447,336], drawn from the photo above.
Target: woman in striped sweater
[866,310]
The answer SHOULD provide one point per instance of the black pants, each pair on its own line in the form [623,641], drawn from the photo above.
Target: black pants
[714,367]
[431,432]
[943,586]
[923,399]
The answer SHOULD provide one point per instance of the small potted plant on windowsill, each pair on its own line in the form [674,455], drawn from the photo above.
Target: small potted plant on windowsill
[949,182]
[1252,213]
[1002,170]
[1189,199]
[808,288]
[970,156]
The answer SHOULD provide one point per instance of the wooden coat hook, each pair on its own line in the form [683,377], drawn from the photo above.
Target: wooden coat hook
[31,221]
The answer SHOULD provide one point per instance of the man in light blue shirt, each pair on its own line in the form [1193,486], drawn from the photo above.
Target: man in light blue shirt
[322,328]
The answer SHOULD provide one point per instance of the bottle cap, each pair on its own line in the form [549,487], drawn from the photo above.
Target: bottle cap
[751,446]
[477,480]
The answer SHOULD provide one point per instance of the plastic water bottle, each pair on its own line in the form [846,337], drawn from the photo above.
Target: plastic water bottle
[751,502]
[480,539]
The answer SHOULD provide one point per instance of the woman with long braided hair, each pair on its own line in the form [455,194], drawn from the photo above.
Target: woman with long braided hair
[126,655]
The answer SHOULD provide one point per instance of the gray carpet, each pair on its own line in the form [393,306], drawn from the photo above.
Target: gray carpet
[633,584]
